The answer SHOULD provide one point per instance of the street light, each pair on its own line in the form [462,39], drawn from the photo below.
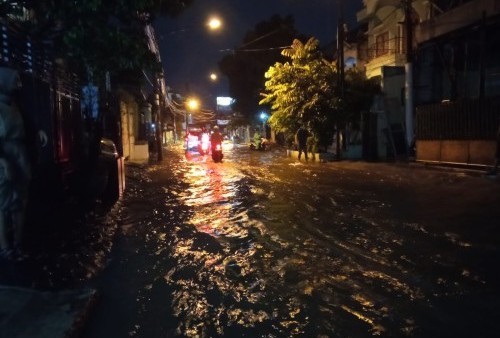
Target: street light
[263,117]
[192,104]
[214,23]
[213,77]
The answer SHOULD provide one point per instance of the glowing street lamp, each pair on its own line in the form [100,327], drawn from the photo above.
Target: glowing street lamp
[192,104]
[214,23]
[263,118]
[213,77]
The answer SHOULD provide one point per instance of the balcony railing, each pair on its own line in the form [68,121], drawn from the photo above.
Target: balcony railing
[393,46]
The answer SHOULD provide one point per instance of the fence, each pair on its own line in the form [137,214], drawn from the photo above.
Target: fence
[19,51]
[461,120]
[461,132]
[50,94]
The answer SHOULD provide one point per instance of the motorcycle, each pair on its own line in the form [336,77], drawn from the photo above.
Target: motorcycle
[263,145]
[217,152]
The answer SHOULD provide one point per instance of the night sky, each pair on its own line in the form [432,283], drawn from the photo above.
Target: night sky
[190,52]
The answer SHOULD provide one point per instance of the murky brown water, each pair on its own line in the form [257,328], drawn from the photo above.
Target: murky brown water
[263,246]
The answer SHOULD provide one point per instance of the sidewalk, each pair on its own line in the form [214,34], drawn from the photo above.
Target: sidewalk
[42,296]
[26,313]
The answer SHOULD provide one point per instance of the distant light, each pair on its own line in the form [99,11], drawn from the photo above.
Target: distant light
[224,100]
[263,116]
[213,77]
[214,23]
[193,104]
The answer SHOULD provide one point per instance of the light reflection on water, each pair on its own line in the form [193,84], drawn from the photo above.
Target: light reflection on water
[261,261]
[235,284]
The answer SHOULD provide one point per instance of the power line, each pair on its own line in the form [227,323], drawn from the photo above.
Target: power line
[254,49]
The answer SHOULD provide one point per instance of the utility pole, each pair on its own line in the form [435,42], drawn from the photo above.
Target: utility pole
[159,123]
[340,65]
[409,75]
[159,90]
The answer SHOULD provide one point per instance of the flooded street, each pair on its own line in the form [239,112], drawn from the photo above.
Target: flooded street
[264,246]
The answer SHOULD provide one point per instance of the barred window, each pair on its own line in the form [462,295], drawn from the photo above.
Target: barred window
[382,44]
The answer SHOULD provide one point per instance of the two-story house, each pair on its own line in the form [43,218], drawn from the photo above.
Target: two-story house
[385,58]
[454,79]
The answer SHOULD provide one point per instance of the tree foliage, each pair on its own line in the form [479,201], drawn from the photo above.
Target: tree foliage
[260,49]
[301,91]
[305,91]
[100,35]
[359,93]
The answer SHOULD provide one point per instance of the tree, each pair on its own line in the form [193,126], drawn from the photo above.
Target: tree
[95,36]
[300,92]
[245,68]
[359,93]
[304,91]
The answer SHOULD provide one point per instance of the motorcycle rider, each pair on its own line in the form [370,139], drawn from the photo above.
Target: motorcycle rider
[216,137]
[257,139]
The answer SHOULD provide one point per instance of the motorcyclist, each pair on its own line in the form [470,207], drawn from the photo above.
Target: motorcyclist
[257,139]
[216,137]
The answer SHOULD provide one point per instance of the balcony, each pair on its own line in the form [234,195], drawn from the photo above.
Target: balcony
[385,52]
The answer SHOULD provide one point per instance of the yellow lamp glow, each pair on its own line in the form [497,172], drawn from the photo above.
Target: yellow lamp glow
[214,23]
[193,104]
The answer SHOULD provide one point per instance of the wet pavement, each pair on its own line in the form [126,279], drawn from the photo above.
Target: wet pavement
[264,246]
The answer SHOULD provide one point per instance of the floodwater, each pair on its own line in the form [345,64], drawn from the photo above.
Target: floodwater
[261,245]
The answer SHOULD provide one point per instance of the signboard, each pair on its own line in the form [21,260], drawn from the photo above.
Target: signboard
[222,122]
[224,101]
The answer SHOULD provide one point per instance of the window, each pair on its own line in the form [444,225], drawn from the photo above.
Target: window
[382,44]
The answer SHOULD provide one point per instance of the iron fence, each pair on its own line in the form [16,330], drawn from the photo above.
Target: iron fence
[472,119]
[35,58]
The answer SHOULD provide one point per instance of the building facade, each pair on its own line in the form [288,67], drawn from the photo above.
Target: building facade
[384,54]
[457,82]
[454,57]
